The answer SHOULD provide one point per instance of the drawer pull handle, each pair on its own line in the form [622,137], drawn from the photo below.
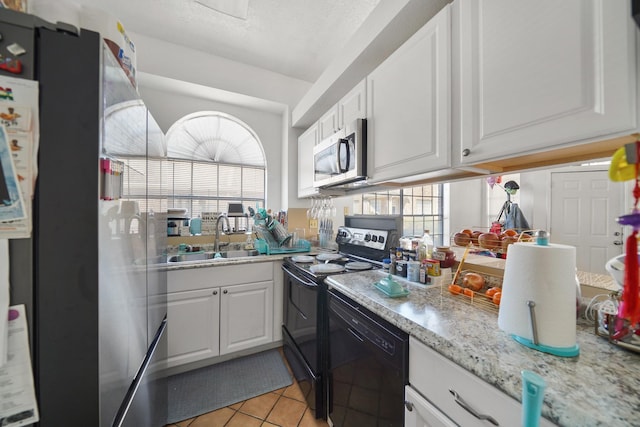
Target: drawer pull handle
[408,405]
[472,411]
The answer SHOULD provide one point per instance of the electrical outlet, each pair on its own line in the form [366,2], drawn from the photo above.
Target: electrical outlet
[313,223]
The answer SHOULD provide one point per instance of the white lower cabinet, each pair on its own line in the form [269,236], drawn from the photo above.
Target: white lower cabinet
[435,378]
[188,312]
[246,316]
[419,412]
[218,310]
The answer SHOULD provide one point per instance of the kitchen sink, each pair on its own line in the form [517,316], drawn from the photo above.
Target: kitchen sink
[202,256]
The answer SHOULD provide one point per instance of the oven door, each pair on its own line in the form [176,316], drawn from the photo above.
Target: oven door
[303,336]
[302,315]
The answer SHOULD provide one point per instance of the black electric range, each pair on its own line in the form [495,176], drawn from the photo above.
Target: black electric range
[306,324]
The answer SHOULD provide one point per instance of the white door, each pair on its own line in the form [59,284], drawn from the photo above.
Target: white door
[584,208]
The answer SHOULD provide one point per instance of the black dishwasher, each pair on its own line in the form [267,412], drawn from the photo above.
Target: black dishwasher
[368,366]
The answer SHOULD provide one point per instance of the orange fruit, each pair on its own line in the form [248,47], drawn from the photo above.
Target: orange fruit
[510,232]
[492,291]
[468,292]
[467,231]
[455,289]
[496,298]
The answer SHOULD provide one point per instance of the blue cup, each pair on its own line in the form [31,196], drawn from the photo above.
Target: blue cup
[195,226]
[533,386]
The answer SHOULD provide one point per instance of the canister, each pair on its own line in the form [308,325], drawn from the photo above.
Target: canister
[433,267]
[413,271]
[445,255]
[401,268]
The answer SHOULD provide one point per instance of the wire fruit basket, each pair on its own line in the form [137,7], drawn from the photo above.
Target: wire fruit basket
[479,298]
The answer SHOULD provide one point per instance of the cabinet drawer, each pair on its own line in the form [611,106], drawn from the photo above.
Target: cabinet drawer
[191,279]
[433,376]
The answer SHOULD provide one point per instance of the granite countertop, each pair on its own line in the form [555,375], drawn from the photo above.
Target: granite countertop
[597,388]
[224,261]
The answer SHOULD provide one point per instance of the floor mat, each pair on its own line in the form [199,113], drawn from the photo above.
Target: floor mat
[213,387]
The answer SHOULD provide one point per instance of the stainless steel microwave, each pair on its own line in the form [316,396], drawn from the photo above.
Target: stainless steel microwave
[342,157]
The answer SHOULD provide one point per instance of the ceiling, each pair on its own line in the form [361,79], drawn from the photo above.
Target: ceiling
[296,38]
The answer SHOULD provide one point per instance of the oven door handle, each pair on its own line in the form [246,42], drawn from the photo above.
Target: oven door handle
[302,281]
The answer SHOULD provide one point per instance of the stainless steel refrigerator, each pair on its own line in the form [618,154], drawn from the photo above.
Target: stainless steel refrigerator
[93,274]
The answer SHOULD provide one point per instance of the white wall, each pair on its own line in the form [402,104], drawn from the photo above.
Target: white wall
[167,106]
[467,204]
[175,81]
[161,58]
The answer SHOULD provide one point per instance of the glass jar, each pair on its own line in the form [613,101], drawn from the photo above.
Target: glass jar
[445,255]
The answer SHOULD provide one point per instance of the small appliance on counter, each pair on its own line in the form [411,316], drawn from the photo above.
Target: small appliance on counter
[177,222]
[538,305]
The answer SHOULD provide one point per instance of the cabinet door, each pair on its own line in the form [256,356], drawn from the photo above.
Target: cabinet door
[408,98]
[328,123]
[306,142]
[246,316]
[192,326]
[419,412]
[353,105]
[536,75]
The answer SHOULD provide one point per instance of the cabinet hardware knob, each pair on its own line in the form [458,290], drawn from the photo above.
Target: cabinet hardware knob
[466,152]
[215,292]
[408,405]
[471,410]
[617,233]
[225,291]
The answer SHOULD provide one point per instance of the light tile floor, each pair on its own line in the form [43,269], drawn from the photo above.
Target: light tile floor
[285,407]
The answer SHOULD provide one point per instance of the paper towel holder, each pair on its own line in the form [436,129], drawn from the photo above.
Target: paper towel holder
[523,301]
[535,344]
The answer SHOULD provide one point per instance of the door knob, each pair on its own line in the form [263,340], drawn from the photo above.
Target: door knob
[617,233]
[466,152]
[617,242]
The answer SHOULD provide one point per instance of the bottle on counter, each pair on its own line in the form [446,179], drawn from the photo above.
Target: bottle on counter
[425,248]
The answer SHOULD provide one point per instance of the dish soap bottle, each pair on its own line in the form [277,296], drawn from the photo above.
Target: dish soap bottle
[425,248]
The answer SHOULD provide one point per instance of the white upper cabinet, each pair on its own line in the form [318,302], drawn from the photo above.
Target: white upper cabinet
[408,105]
[353,105]
[328,123]
[306,142]
[534,76]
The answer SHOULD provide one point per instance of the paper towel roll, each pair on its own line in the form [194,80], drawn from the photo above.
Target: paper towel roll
[547,276]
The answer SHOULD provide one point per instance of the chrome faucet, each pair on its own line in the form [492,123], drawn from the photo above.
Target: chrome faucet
[225,220]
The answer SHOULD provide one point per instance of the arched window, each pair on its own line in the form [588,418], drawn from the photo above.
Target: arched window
[214,159]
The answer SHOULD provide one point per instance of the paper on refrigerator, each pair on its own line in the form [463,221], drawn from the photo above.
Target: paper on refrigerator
[18,406]
[11,204]
[19,117]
